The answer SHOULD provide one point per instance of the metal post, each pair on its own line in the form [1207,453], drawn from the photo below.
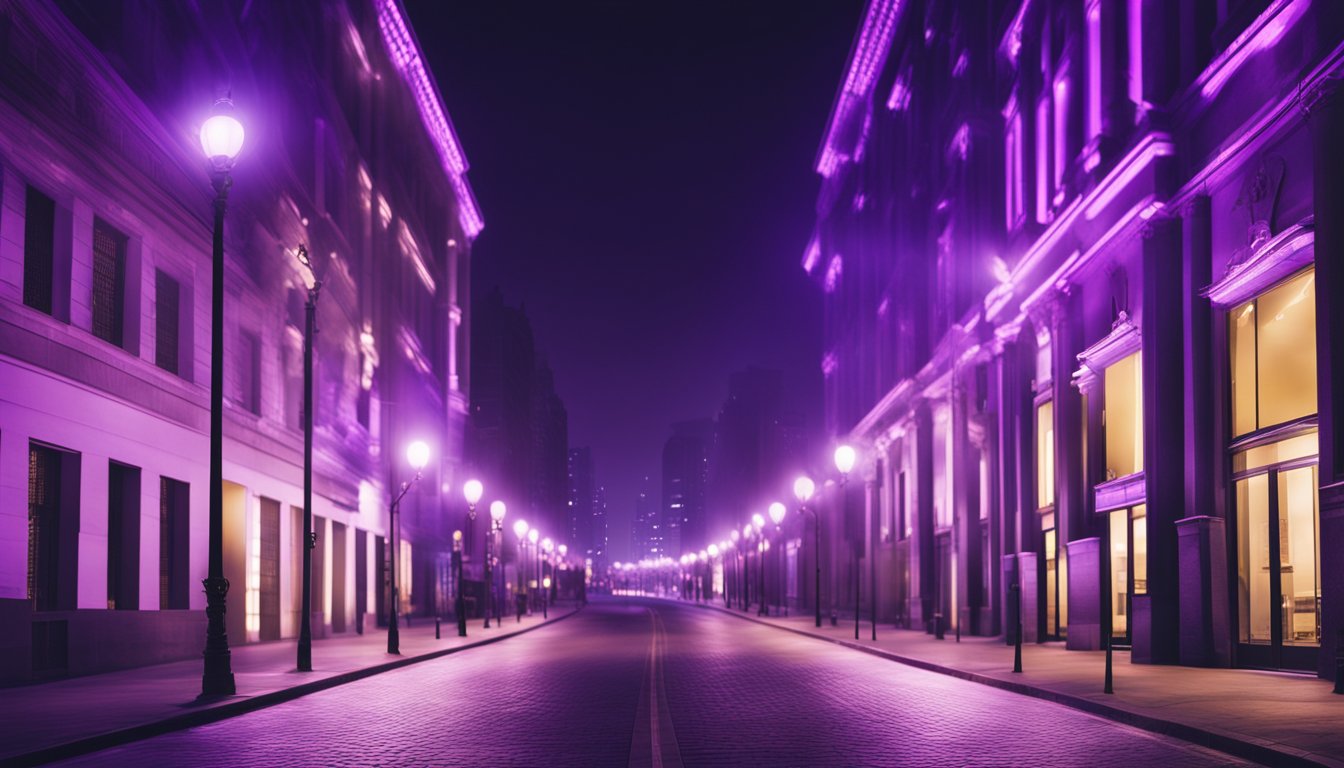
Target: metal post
[305,651]
[1017,639]
[459,605]
[816,533]
[1339,661]
[1107,688]
[393,636]
[858,577]
[217,678]
[489,581]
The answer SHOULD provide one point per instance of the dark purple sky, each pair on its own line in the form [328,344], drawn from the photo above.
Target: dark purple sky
[645,172]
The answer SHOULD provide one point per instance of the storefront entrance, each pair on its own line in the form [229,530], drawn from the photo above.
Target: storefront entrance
[1128,569]
[1278,555]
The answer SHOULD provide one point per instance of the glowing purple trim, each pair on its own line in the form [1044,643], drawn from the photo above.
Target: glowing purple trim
[883,306]
[1286,253]
[833,272]
[405,54]
[1263,33]
[1012,39]
[899,99]
[1134,20]
[961,141]
[1152,147]
[1094,70]
[870,51]
[812,255]
[828,364]
[1061,114]
[959,68]
[1042,160]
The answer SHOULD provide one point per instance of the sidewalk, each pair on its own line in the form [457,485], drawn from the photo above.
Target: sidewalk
[1271,717]
[55,720]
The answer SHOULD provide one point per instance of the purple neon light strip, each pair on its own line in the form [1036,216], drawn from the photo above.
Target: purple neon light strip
[406,57]
[870,51]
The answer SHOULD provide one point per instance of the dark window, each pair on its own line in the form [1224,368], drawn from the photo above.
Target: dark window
[39,240]
[249,372]
[53,527]
[174,528]
[123,537]
[167,302]
[109,282]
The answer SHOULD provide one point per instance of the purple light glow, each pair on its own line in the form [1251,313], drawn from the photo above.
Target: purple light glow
[405,55]
[899,99]
[1264,33]
[870,51]
[833,272]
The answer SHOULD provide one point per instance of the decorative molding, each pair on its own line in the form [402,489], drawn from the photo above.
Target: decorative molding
[1122,341]
[1270,262]
[1121,492]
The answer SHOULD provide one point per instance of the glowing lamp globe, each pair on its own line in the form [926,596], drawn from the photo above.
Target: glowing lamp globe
[704,556]
[758,521]
[803,488]
[497,510]
[844,459]
[546,582]
[734,535]
[520,528]
[457,535]
[713,550]
[417,453]
[472,490]
[564,550]
[777,512]
[532,535]
[222,136]
[547,545]
[746,531]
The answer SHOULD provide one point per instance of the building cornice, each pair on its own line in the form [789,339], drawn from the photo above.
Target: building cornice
[865,61]
[405,53]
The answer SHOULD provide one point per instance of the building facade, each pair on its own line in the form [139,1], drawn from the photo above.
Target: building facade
[105,258]
[1081,323]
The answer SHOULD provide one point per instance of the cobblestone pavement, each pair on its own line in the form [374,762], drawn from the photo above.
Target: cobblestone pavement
[723,692]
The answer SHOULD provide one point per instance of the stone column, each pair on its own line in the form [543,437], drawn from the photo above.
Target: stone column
[1325,110]
[1163,444]
[922,578]
[1203,446]
[1205,635]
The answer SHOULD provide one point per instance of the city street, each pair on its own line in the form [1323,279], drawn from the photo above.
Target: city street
[720,691]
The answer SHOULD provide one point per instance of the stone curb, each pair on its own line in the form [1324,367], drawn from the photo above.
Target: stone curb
[1261,751]
[240,706]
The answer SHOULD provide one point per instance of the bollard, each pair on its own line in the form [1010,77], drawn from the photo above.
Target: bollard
[938,626]
[1017,639]
[1107,688]
[1339,661]
[436,629]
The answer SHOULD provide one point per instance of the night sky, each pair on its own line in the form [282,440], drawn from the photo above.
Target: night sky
[645,172]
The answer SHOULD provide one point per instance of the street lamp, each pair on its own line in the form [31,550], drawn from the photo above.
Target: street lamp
[305,648]
[497,510]
[713,551]
[803,488]
[472,490]
[459,605]
[746,566]
[547,546]
[733,536]
[535,559]
[777,511]
[417,455]
[221,140]
[759,526]
[519,530]
[844,462]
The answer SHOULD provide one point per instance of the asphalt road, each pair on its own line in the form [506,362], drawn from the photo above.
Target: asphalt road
[655,684]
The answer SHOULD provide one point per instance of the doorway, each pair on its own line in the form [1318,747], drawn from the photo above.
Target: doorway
[1128,529]
[269,581]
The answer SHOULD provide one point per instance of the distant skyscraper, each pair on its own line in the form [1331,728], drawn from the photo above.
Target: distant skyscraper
[582,500]
[685,473]
[600,547]
[646,534]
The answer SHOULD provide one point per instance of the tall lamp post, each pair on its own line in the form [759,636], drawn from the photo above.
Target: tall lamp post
[221,140]
[497,511]
[563,549]
[803,488]
[417,455]
[733,536]
[305,651]
[533,560]
[519,530]
[547,546]
[746,567]
[713,551]
[758,525]
[460,604]
[777,512]
[844,462]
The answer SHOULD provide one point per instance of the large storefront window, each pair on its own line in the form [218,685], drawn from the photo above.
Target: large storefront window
[1123,417]
[1045,455]
[1278,544]
[1129,563]
[1272,341]
[942,464]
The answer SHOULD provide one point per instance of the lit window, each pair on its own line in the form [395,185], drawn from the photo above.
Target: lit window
[1013,149]
[942,469]
[1043,160]
[1061,106]
[1123,417]
[1094,71]
[833,272]
[1272,342]
[1045,454]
